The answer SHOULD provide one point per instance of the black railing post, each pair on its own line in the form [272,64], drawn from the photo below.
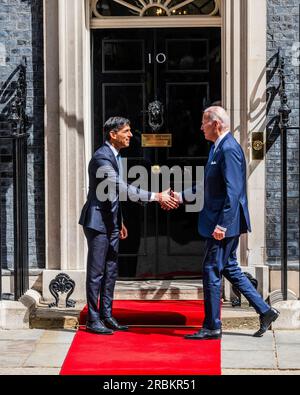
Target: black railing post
[284,112]
[24,177]
[19,126]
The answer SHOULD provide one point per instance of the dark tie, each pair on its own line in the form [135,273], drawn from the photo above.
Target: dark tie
[211,154]
[119,160]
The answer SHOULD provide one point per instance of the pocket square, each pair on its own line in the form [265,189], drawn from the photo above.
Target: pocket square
[213,163]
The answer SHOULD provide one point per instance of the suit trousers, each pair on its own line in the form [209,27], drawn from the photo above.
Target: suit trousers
[220,259]
[101,272]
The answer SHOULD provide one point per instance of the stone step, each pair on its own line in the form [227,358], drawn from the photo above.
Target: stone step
[159,290]
[44,317]
[233,318]
[60,318]
[151,290]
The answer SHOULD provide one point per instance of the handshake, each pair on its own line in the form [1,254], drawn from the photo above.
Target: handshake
[168,200]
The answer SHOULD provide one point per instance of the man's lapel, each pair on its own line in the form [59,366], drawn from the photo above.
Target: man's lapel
[112,157]
[219,148]
[212,161]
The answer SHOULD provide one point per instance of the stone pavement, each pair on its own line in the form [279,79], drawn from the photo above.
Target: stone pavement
[33,351]
[277,352]
[42,352]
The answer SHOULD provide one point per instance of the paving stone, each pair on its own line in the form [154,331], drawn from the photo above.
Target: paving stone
[244,340]
[12,360]
[288,337]
[248,359]
[62,336]
[29,371]
[47,355]
[26,334]
[288,356]
[17,346]
[262,372]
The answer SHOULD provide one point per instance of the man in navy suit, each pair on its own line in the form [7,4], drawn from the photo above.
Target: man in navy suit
[102,223]
[223,219]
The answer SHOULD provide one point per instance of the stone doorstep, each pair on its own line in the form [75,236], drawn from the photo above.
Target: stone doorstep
[60,318]
[55,318]
[44,317]
[159,293]
[146,289]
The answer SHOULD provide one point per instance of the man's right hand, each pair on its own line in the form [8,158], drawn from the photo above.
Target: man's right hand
[168,200]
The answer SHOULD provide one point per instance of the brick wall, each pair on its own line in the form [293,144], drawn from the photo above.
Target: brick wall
[283,31]
[21,33]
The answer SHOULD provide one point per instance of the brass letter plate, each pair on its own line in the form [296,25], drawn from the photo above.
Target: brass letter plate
[156,140]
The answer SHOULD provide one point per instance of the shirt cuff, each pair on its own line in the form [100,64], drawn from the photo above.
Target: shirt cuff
[221,228]
[152,197]
[180,197]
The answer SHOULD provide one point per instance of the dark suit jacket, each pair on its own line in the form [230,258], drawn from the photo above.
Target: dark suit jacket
[104,216]
[225,196]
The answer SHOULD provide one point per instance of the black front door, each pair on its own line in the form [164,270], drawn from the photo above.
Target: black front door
[181,68]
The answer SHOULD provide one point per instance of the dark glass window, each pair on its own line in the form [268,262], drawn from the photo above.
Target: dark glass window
[144,8]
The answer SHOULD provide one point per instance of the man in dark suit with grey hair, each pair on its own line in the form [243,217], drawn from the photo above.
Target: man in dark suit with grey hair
[222,220]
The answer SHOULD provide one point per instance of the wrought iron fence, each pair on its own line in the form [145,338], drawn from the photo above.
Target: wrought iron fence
[13,132]
[284,121]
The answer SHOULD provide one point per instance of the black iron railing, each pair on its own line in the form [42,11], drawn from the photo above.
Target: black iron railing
[14,125]
[284,119]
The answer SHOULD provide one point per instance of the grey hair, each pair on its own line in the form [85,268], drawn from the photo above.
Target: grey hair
[217,113]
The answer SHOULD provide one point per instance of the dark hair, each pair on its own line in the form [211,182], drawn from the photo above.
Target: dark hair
[115,124]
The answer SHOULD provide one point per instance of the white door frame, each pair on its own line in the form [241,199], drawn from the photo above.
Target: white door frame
[68,124]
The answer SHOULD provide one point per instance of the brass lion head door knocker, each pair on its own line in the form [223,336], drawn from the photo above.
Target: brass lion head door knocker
[155,115]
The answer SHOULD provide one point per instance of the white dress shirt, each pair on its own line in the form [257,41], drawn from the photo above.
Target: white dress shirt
[219,139]
[114,150]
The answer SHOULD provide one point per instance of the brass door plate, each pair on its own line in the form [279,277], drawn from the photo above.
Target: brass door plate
[258,146]
[163,140]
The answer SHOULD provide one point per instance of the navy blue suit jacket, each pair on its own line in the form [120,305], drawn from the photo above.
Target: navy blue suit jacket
[104,216]
[225,195]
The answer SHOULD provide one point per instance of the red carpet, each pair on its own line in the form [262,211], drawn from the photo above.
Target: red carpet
[156,312]
[146,351]
[142,351]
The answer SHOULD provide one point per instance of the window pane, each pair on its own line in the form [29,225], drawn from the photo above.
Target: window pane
[123,56]
[186,55]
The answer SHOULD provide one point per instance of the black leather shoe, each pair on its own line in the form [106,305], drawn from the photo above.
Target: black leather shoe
[205,334]
[112,323]
[98,327]
[266,321]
